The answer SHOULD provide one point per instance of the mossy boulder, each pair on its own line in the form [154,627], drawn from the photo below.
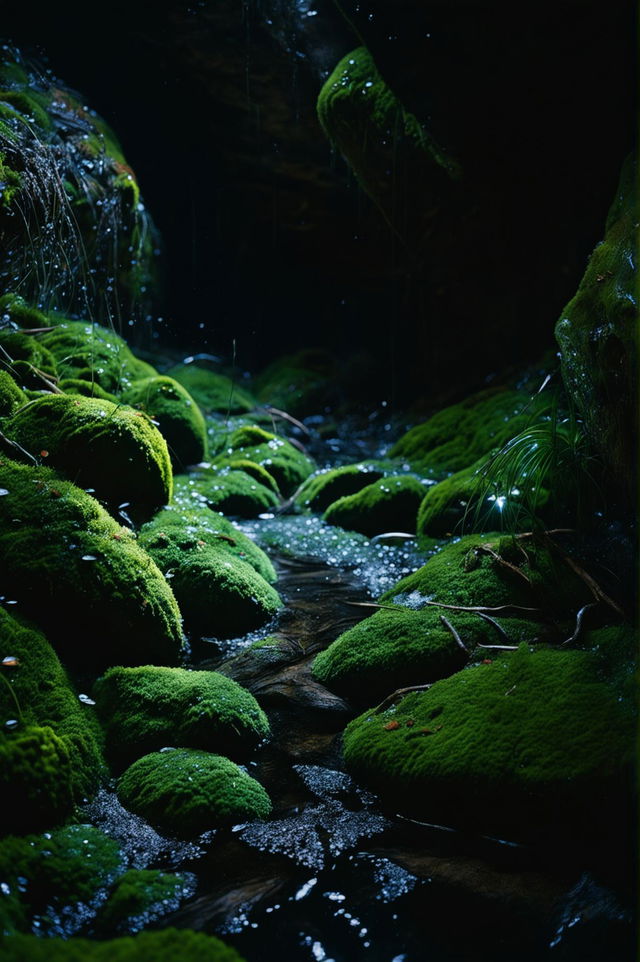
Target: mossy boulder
[289,466]
[219,592]
[176,414]
[90,352]
[44,874]
[45,696]
[81,576]
[36,777]
[235,493]
[598,337]
[146,708]
[164,946]
[32,366]
[535,742]
[301,384]
[256,471]
[140,897]
[11,396]
[75,385]
[390,504]
[185,792]
[214,392]
[457,436]
[322,489]
[110,448]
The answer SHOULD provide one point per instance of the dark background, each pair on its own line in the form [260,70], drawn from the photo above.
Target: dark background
[267,239]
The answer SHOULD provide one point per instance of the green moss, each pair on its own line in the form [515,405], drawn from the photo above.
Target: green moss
[321,490]
[186,792]
[177,415]
[29,105]
[598,336]
[280,458]
[189,527]
[531,742]
[46,698]
[28,358]
[11,396]
[36,778]
[459,435]
[91,352]
[142,896]
[21,313]
[76,385]
[80,575]
[301,383]
[219,593]
[390,504]
[48,873]
[255,471]
[213,392]
[234,492]
[10,180]
[111,448]
[145,708]
[165,946]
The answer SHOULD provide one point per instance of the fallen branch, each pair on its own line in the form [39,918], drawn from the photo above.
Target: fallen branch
[398,695]
[495,624]
[458,640]
[440,604]
[276,412]
[498,647]
[488,549]
[579,622]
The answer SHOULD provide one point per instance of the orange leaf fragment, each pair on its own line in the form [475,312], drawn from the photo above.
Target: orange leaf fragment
[391,726]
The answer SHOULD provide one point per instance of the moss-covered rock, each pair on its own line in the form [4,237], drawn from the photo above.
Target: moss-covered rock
[75,385]
[11,396]
[289,466]
[186,792]
[82,577]
[191,527]
[534,742]
[459,435]
[176,414]
[112,449]
[140,897]
[390,504]
[90,352]
[44,874]
[301,384]
[236,493]
[322,489]
[32,366]
[146,708]
[36,777]
[165,946]
[213,392]
[45,696]
[598,336]
[255,471]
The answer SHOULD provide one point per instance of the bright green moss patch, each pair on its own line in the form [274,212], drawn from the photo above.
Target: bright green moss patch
[47,873]
[289,466]
[82,577]
[177,415]
[108,447]
[186,792]
[213,392]
[11,396]
[235,493]
[255,471]
[531,742]
[75,385]
[140,897]
[10,180]
[322,489]
[459,435]
[36,778]
[165,946]
[146,708]
[390,504]
[45,695]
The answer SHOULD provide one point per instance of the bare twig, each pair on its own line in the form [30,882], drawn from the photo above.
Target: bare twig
[488,549]
[492,621]
[440,604]
[398,695]
[498,647]
[14,444]
[456,637]
[579,622]
[276,412]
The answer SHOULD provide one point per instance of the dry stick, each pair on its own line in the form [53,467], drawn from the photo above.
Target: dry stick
[36,330]
[398,694]
[18,447]
[288,417]
[458,640]
[579,620]
[495,624]
[591,583]
[43,377]
[498,647]
[439,604]
[487,549]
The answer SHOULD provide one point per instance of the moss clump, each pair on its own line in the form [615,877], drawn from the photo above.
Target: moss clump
[531,742]
[10,181]
[90,352]
[165,946]
[44,693]
[75,385]
[142,896]
[218,592]
[459,435]
[31,365]
[81,576]
[48,873]
[186,792]
[235,493]
[390,504]
[177,415]
[598,336]
[281,459]
[190,528]
[321,490]
[145,708]
[36,778]
[301,383]
[112,449]
[255,471]
[11,396]
[213,392]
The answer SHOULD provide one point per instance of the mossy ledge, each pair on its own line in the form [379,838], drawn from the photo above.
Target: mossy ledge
[165,946]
